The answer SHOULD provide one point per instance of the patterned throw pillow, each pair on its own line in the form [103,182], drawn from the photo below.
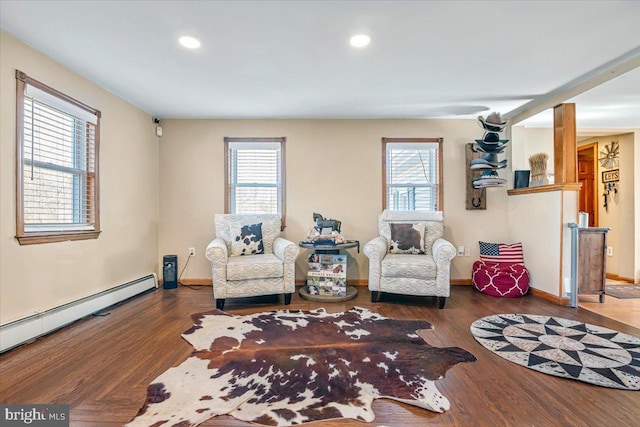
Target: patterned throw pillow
[407,238]
[247,240]
[499,252]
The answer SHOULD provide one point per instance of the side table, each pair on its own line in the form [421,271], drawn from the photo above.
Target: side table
[330,249]
[326,280]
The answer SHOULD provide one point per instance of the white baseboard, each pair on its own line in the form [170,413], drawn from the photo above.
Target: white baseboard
[20,331]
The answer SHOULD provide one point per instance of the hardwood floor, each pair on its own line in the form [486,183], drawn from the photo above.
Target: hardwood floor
[101,366]
[623,310]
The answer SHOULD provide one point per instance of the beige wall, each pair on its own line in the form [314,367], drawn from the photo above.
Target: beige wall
[621,216]
[636,204]
[35,278]
[333,167]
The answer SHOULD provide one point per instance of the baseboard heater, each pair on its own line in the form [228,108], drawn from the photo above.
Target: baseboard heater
[20,331]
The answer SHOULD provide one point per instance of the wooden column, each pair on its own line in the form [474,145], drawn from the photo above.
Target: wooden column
[565,155]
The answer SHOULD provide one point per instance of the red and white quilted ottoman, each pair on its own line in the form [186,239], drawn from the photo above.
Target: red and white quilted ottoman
[500,279]
[501,271]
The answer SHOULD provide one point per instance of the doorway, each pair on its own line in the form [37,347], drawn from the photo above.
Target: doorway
[623,310]
[587,168]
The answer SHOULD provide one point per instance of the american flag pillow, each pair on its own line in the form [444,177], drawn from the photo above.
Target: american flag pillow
[499,252]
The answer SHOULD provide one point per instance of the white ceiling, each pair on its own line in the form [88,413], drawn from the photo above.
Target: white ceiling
[292,59]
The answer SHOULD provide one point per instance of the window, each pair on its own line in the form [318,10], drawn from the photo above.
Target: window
[412,174]
[255,176]
[57,165]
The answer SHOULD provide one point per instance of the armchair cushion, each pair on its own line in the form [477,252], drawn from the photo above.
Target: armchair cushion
[263,266]
[409,266]
[247,240]
[407,238]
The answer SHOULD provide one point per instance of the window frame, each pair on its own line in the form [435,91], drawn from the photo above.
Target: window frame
[92,180]
[283,176]
[439,141]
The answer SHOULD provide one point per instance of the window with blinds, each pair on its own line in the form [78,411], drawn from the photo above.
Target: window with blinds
[412,174]
[57,165]
[255,177]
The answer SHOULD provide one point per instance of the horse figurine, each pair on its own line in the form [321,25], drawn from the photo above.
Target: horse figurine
[322,223]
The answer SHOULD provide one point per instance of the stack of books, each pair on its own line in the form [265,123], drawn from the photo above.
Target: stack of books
[327,275]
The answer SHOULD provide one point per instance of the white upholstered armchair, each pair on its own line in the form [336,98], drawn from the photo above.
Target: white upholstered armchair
[410,255]
[248,258]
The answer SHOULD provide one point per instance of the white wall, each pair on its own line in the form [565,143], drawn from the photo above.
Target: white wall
[536,220]
[570,206]
[623,216]
[333,168]
[35,278]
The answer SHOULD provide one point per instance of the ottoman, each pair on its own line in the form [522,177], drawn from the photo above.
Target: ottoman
[500,279]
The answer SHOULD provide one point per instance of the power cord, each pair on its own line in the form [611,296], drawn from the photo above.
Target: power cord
[183,268]
[182,271]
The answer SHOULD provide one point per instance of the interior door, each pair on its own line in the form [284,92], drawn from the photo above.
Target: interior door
[586,176]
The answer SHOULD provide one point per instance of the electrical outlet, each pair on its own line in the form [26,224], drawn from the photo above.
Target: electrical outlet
[467,252]
[609,250]
[192,251]
[460,250]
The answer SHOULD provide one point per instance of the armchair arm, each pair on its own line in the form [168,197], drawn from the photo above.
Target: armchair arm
[216,251]
[443,253]
[375,250]
[287,252]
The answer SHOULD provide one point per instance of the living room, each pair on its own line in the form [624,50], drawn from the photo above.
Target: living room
[159,194]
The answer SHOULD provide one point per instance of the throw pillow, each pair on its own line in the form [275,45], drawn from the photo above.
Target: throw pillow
[499,252]
[247,240]
[407,238]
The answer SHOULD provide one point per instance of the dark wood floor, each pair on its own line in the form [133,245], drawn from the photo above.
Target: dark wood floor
[101,366]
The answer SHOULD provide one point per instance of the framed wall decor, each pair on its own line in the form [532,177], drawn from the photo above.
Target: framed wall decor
[610,155]
[611,175]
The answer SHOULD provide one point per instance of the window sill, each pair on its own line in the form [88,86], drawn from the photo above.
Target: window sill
[33,239]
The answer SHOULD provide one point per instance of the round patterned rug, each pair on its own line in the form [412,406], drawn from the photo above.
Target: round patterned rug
[564,348]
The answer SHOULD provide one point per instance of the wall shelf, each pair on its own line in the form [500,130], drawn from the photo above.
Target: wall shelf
[574,186]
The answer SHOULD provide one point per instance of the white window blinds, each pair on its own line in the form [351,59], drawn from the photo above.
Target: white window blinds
[59,164]
[412,176]
[255,177]
[60,104]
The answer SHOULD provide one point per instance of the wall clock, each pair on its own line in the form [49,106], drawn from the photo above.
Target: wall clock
[610,155]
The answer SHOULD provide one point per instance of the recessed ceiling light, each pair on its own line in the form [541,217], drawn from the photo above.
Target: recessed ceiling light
[360,40]
[189,42]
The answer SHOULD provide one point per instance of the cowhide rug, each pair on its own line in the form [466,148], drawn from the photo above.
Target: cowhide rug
[289,367]
[564,348]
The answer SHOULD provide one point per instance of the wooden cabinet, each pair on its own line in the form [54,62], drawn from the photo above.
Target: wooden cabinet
[592,260]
